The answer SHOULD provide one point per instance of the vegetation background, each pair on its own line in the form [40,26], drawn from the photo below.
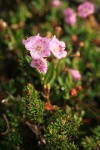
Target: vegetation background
[70,120]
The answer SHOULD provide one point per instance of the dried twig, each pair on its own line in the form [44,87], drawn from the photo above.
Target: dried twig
[5,132]
[35,129]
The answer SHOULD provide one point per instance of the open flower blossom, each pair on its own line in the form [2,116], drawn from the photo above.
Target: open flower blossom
[75,74]
[70,16]
[56,3]
[38,46]
[41,47]
[85,9]
[57,48]
[40,64]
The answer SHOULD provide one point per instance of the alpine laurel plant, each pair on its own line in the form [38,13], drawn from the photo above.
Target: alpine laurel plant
[49,75]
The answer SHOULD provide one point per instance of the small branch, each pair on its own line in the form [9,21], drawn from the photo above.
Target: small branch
[91,110]
[35,129]
[5,132]
[47,93]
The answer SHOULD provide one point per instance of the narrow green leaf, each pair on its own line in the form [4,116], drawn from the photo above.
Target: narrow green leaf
[28,58]
[50,73]
[53,77]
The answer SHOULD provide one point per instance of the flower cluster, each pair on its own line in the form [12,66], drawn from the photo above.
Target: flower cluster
[70,16]
[84,10]
[41,47]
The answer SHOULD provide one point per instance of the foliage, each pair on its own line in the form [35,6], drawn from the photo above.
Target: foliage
[59,133]
[92,142]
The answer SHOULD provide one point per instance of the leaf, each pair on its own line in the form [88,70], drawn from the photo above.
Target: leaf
[75,63]
[60,80]
[60,66]
[69,81]
[53,78]
[28,58]
[50,74]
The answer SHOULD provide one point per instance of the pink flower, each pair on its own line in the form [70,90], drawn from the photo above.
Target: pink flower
[40,64]
[41,47]
[76,74]
[70,16]
[85,9]
[38,46]
[57,48]
[56,3]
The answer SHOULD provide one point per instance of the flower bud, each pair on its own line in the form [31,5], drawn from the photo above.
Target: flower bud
[3,25]
[73,92]
[81,44]
[78,88]
[74,38]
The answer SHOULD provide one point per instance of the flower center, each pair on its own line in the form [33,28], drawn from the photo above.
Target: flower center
[55,49]
[38,48]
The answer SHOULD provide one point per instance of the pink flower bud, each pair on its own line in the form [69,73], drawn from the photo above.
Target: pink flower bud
[76,74]
[56,3]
